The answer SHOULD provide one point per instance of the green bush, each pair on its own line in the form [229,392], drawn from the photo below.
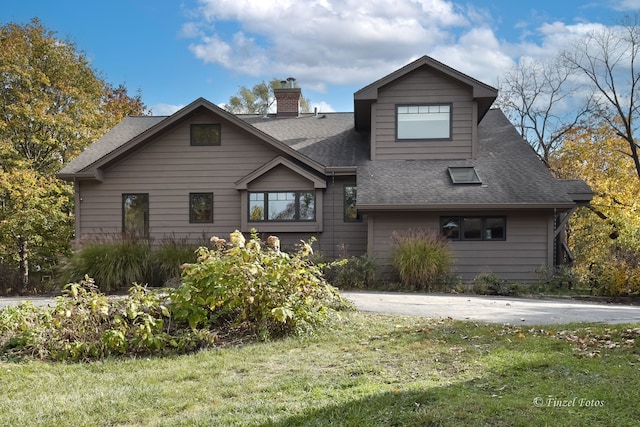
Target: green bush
[86,324]
[356,272]
[422,260]
[113,263]
[490,284]
[253,286]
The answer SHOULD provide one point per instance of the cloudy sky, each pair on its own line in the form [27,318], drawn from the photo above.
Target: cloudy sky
[177,51]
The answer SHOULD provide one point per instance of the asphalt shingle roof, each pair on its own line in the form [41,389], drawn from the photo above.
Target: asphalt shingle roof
[510,171]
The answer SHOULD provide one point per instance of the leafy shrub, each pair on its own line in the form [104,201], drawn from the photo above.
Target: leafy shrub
[422,260]
[246,284]
[619,276]
[86,324]
[356,272]
[113,264]
[490,284]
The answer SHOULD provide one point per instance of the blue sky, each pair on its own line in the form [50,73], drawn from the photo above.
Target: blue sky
[175,51]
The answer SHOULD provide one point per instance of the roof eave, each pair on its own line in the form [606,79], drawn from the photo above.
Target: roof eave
[464,206]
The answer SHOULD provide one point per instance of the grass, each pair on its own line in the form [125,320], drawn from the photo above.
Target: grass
[367,370]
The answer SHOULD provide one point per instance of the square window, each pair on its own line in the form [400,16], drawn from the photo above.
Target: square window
[494,229]
[472,228]
[423,121]
[205,134]
[464,175]
[200,207]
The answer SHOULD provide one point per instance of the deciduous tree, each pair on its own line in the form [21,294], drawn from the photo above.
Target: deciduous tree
[259,99]
[52,105]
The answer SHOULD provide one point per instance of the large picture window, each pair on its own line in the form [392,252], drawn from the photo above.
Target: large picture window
[135,215]
[206,134]
[282,206]
[423,121]
[473,228]
[200,207]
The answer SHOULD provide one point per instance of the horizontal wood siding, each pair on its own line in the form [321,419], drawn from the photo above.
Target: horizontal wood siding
[525,250]
[169,168]
[280,178]
[424,86]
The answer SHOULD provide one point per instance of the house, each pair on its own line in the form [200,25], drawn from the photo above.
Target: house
[422,149]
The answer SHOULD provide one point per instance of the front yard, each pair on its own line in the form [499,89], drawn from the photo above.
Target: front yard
[363,370]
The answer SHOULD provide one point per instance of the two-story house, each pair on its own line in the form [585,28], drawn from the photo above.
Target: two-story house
[422,149]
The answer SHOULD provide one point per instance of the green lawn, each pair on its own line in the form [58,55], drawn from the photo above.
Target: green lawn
[367,370]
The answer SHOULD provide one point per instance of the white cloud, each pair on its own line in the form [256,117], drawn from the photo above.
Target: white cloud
[322,41]
[625,5]
[165,109]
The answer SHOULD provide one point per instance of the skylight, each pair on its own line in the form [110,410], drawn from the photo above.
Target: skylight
[464,175]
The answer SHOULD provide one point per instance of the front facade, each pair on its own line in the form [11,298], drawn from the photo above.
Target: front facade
[422,149]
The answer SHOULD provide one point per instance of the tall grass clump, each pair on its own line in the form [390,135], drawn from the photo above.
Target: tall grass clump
[422,260]
[112,263]
[169,256]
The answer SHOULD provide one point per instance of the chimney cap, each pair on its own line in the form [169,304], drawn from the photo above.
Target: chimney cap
[283,84]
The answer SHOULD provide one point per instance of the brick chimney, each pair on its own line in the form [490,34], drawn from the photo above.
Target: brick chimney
[287,99]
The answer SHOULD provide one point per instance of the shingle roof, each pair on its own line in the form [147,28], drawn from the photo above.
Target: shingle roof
[329,138]
[127,129]
[510,171]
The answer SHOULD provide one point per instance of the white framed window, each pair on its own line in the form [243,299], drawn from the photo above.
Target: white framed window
[427,121]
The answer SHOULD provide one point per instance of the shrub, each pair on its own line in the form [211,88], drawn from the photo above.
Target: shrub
[113,263]
[246,284]
[86,324]
[619,276]
[356,272]
[422,260]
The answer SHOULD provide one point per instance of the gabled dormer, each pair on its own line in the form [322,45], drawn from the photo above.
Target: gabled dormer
[425,110]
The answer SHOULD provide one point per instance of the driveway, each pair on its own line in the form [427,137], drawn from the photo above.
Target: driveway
[528,311]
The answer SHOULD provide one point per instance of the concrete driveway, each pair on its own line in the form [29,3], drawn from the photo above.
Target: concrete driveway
[529,311]
[494,309]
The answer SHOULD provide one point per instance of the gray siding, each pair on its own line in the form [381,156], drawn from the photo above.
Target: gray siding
[168,168]
[423,86]
[526,249]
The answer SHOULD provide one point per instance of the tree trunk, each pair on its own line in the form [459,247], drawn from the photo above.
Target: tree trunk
[24,262]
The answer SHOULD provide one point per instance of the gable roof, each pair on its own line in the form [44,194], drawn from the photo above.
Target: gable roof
[133,132]
[362,99]
[512,177]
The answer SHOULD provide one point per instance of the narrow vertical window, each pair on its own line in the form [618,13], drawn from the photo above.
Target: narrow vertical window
[200,207]
[351,213]
[135,215]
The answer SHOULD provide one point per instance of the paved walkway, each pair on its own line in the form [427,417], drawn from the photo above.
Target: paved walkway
[528,311]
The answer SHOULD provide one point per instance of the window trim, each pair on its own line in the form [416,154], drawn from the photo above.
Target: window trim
[266,207]
[207,125]
[345,218]
[191,219]
[483,235]
[426,104]
[146,219]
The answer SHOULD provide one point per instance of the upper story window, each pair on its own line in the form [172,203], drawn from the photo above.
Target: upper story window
[200,207]
[135,214]
[282,206]
[205,134]
[351,213]
[427,121]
